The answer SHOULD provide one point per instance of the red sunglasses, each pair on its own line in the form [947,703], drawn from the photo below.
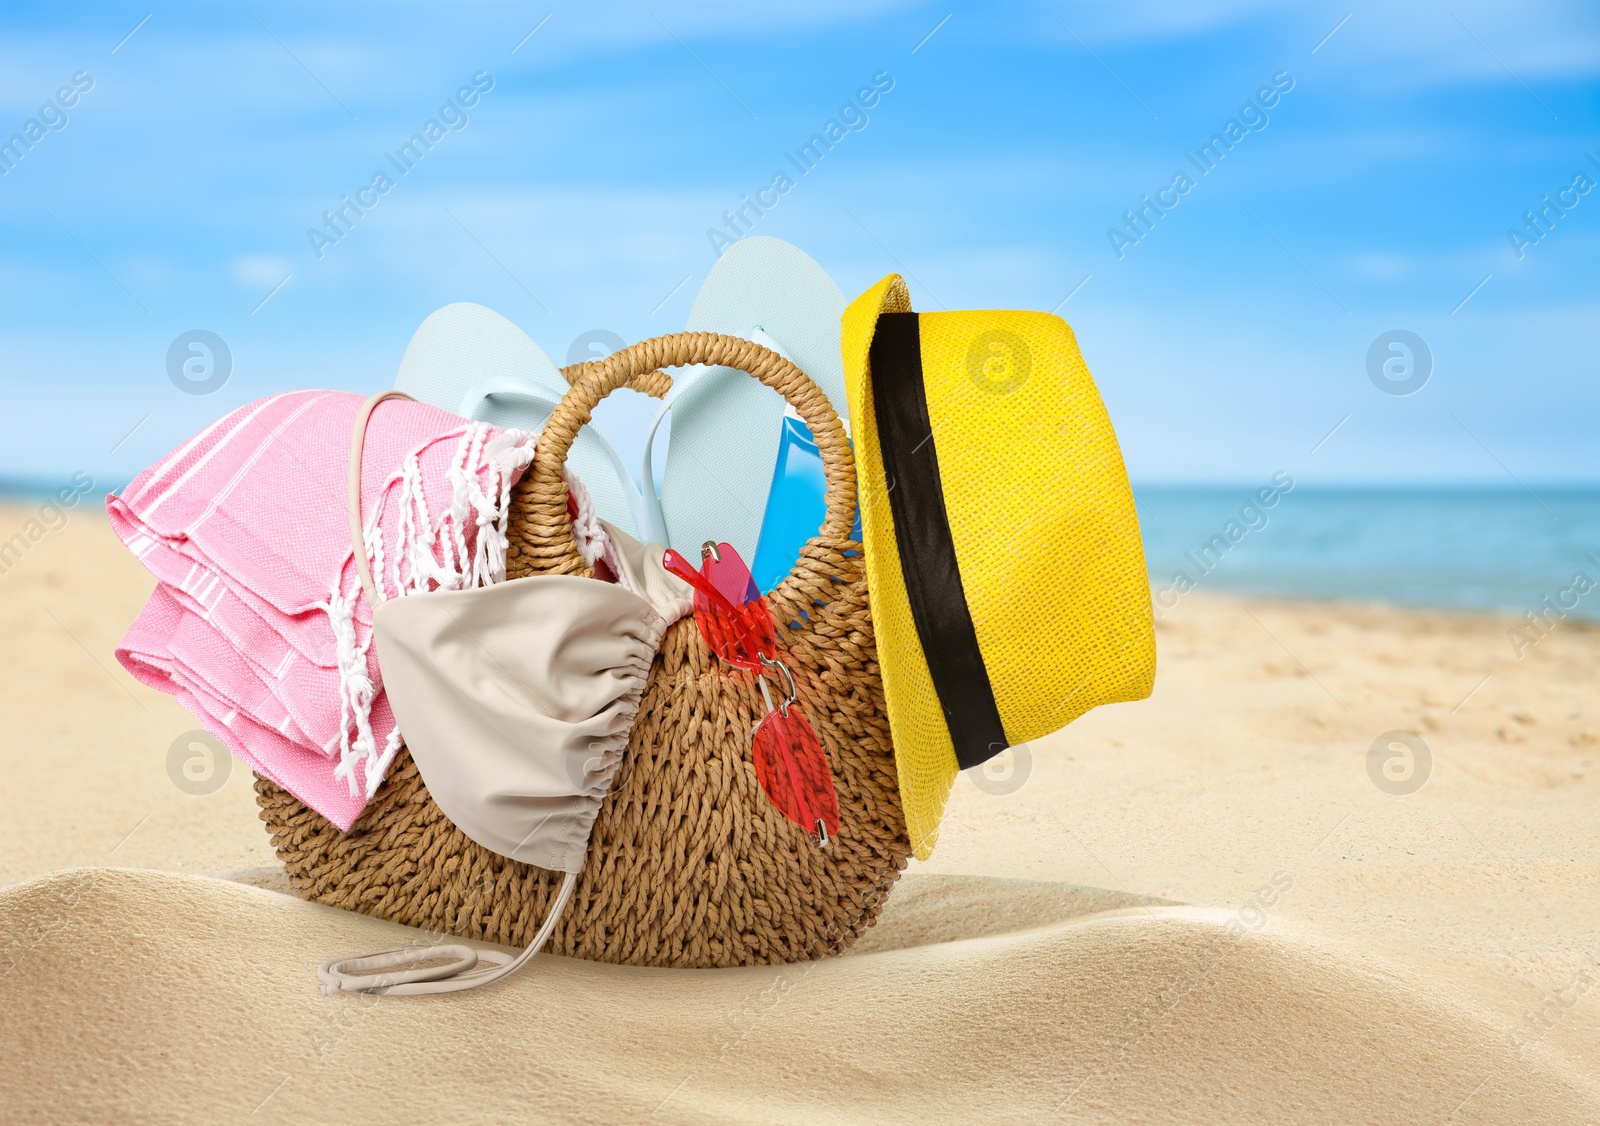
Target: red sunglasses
[738,628]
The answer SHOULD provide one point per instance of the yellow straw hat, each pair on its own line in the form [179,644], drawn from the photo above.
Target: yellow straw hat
[1004,567]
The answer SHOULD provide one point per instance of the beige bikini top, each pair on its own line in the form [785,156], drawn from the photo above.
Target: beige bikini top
[516,701]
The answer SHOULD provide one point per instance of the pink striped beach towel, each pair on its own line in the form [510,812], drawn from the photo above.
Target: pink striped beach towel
[259,626]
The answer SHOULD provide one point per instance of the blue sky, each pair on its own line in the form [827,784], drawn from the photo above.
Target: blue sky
[1228,342]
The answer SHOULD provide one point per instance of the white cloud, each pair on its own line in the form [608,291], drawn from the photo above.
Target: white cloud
[255,270]
[1381,267]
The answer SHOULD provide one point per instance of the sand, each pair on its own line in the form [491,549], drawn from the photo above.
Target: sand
[1195,908]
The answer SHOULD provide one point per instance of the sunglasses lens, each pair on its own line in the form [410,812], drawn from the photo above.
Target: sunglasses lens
[722,623]
[738,628]
[727,634]
[733,581]
[794,772]
[735,623]
[729,575]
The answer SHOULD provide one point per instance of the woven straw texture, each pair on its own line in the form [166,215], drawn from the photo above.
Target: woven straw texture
[689,863]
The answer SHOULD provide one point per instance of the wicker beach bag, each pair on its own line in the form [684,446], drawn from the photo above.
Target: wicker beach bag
[689,863]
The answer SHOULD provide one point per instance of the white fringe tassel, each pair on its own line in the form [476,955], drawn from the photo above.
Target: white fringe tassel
[430,557]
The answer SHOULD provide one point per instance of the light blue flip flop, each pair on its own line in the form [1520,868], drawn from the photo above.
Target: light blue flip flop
[471,361]
[726,427]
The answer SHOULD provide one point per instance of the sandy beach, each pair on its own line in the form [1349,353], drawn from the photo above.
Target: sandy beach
[1199,907]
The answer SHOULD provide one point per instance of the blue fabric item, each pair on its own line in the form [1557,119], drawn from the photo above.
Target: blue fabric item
[796,504]
[725,428]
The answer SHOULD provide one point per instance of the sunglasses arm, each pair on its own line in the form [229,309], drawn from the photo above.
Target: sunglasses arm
[679,566]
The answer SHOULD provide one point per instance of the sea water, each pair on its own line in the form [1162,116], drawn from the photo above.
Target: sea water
[1503,549]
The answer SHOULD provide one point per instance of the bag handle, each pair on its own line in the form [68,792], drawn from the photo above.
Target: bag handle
[652,381]
[638,366]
